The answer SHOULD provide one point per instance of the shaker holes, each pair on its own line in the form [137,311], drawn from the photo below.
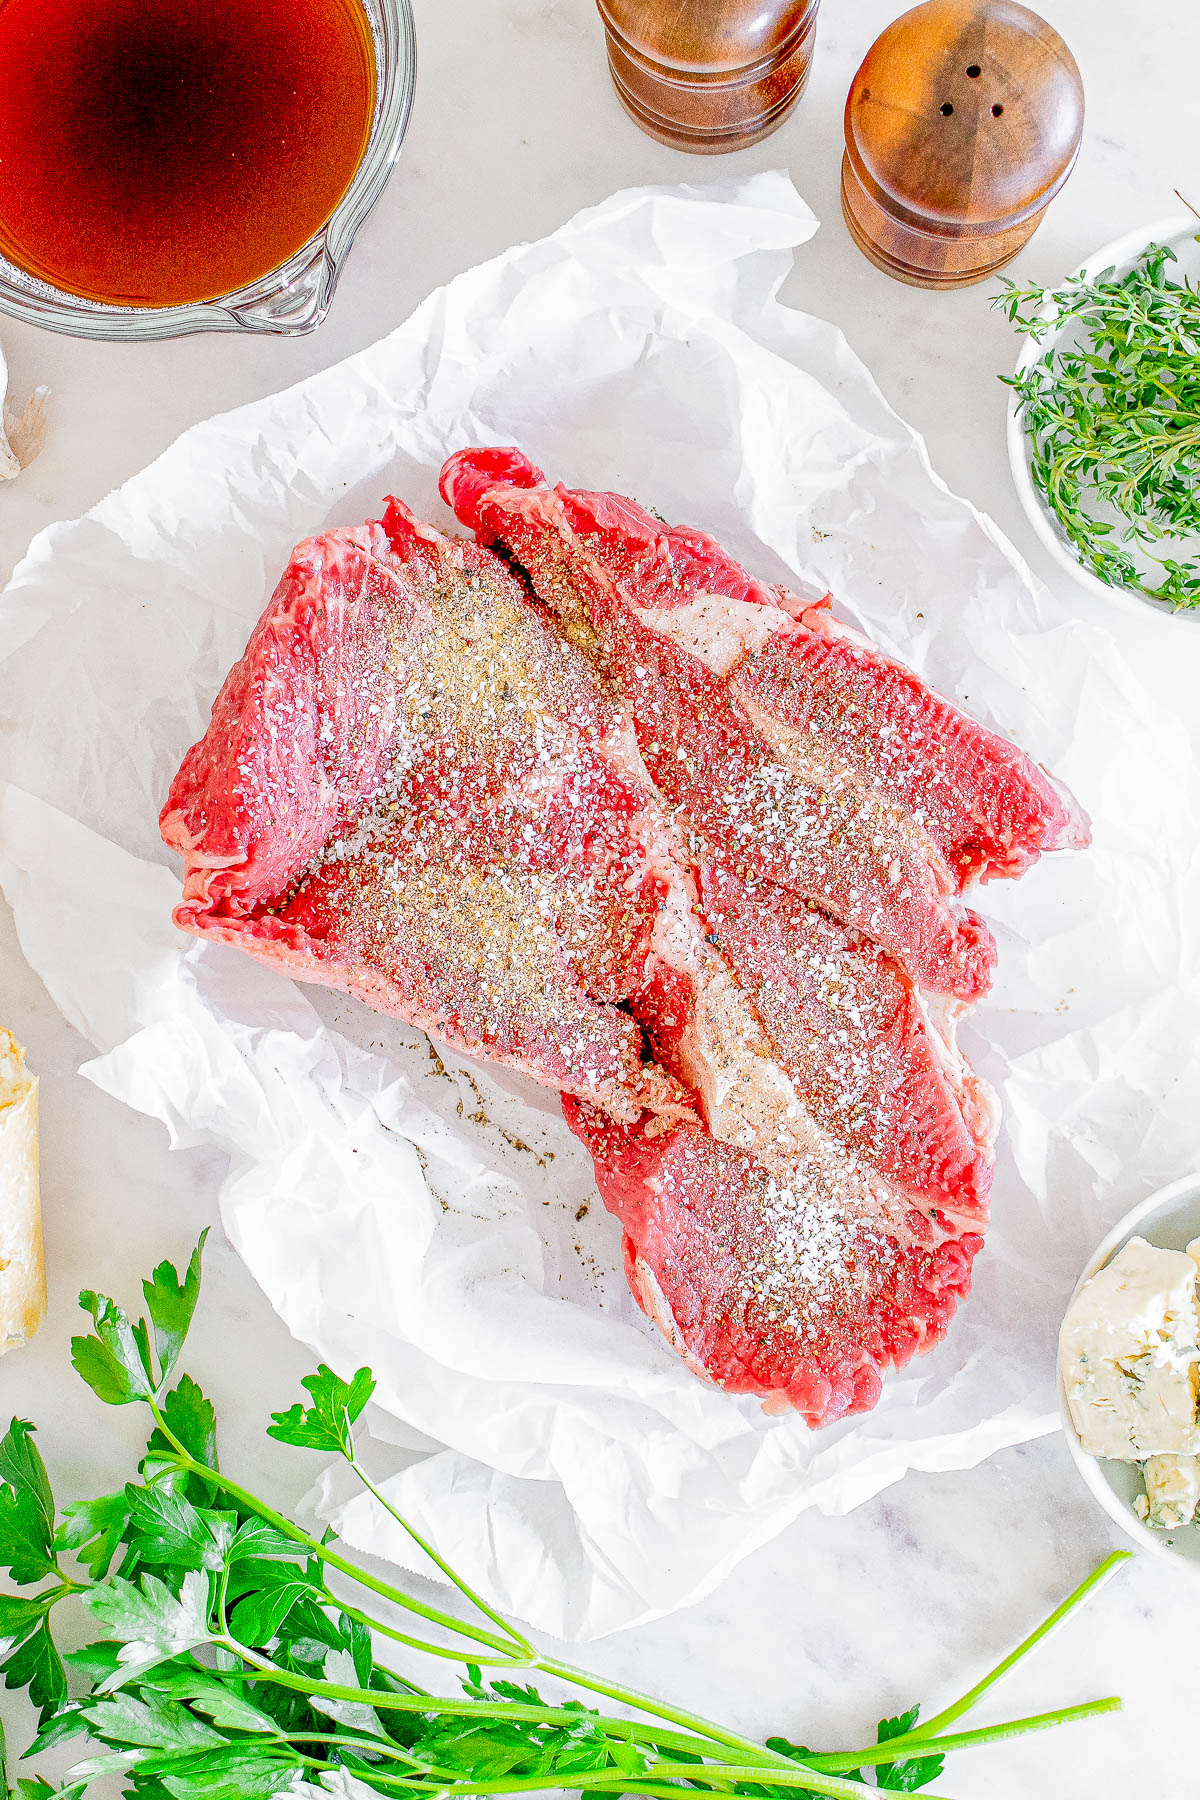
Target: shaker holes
[974,70]
[946,109]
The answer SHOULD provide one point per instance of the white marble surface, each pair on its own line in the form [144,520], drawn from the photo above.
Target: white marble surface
[838,1620]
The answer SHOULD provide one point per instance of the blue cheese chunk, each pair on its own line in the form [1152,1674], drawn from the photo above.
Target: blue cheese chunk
[1129,1349]
[1172,1491]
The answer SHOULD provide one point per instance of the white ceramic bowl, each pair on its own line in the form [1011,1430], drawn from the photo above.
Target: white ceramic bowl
[1180,234]
[1170,1219]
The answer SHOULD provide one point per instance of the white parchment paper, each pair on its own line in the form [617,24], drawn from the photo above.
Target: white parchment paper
[437,1222]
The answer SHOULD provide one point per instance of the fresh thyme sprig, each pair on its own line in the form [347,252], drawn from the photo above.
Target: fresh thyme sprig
[1113,418]
[226,1667]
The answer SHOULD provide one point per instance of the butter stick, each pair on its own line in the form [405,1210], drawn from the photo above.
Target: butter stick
[22,1270]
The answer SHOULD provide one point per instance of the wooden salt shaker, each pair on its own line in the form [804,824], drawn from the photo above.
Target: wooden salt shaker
[961,125]
[709,75]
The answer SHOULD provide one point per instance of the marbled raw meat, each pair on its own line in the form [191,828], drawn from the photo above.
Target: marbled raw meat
[416,789]
[413,789]
[791,1282]
[857,1042]
[426,789]
[798,752]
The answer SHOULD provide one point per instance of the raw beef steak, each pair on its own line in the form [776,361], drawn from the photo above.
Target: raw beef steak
[791,1283]
[797,1043]
[417,789]
[793,748]
[414,789]
[851,1031]
[673,842]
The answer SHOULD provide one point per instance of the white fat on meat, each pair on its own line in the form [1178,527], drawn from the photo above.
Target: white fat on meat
[748,1099]
[653,1303]
[980,1103]
[715,629]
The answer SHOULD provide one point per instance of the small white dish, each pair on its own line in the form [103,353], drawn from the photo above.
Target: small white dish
[1170,1219]
[1180,234]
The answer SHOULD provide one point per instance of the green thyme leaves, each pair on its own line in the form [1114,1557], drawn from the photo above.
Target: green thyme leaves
[1112,412]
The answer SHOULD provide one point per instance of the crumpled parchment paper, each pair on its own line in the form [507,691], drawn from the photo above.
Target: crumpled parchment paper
[435,1220]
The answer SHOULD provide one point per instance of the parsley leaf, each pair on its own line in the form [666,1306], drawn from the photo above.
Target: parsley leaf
[235,1773]
[189,1415]
[165,1528]
[480,1749]
[210,1696]
[361,1651]
[913,1772]
[34,1662]
[352,1715]
[906,1777]
[93,1530]
[151,1621]
[116,1363]
[95,1662]
[800,1753]
[900,1726]
[326,1424]
[67,1722]
[259,1617]
[171,1304]
[109,1762]
[26,1508]
[22,1468]
[523,1696]
[257,1540]
[784,1747]
[154,1721]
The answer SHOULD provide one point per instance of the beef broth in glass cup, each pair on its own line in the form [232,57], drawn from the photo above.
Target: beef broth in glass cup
[174,166]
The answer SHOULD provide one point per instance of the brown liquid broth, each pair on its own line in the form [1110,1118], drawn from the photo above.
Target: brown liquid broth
[156,152]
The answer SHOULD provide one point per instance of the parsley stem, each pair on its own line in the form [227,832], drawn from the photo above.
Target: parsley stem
[758,1763]
[376,1745]
[430,1774]
[899,1748]
[757,1760]
[223,1596]
[695,1722]
[429,1648]
[259,1507]
[451,1575]
[606,1781]
[565,1671]
[614,1780]
[1087,1587]
[801,1776]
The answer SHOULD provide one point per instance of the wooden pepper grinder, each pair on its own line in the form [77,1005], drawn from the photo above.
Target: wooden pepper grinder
[709,75]
[961,125]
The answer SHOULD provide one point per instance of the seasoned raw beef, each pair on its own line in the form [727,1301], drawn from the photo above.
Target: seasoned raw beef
[414,789]
[790,1282]
[675,844]
[791,746]
[854,1036]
